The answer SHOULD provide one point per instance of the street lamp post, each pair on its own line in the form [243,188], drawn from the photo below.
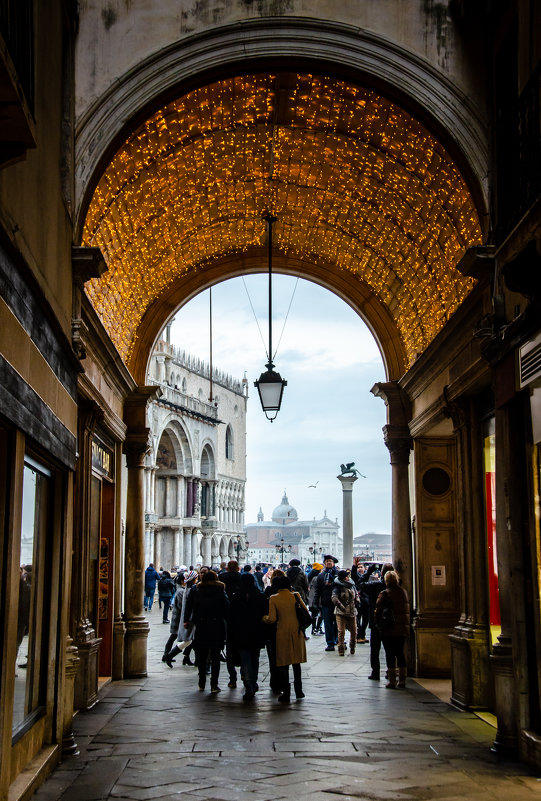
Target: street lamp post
[281,548]
[314,550]
[239,546]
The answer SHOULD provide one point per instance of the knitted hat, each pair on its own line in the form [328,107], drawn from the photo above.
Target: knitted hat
[294,563]
[190,575]
[317,566]
[342,575]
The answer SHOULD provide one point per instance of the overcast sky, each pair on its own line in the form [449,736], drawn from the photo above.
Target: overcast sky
[328,416]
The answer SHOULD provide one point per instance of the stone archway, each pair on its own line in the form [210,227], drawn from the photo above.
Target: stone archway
[367,201]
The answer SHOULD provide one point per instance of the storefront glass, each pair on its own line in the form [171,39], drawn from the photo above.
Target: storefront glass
[489,452]
[31,662]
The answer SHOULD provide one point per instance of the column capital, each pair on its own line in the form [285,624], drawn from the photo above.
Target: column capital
[135,406]
[399,443]
[456,410]
[347,482]
[136,446]
[397,402]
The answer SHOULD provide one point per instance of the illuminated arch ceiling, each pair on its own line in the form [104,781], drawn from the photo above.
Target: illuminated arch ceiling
[356,184]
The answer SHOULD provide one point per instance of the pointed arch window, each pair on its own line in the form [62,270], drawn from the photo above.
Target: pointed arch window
[229,443]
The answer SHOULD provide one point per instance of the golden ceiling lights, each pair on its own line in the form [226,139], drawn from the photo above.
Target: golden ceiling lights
[356,183]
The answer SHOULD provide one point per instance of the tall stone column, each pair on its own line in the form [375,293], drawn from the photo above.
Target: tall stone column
[187,537]
[136,447]
[176,546]
[347,483]
[470,640]
[180,496]
[85,639]
[195,546]
[398,440]
[189,497]
[206,546]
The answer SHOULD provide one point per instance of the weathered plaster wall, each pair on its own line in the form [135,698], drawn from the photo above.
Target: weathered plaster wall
[116,35]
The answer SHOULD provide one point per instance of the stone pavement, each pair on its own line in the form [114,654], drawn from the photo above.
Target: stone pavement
[349,739]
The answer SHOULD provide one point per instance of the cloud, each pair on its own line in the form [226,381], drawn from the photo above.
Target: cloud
[330,361]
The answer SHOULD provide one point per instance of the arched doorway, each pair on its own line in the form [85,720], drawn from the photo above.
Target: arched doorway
[369,204]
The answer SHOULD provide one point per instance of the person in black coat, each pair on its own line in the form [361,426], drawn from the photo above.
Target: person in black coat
[323,584]
[298,579]
[371,590]
[207,609]
[231,579]
[247,631]
[166,592]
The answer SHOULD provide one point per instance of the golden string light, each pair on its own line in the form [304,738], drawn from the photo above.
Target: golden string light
[356,183]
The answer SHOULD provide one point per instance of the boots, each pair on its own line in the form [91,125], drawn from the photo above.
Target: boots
[297,684]
[392,676]
[401,677]
[169,658]
[341,650]
[285,695]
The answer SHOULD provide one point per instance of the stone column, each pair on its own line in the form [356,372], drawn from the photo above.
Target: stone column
[187,537]
[206,546]
[180,496]
[69,746]
[157,550]
[176,546]
[85,639]
[189,497]
[195,546]
[470,645]
[398,440]
[136,447]
[347,483]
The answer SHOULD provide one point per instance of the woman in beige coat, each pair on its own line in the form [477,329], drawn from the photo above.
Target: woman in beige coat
[290,642]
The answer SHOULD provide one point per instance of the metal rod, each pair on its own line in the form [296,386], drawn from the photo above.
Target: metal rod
[211,398]
[270,219]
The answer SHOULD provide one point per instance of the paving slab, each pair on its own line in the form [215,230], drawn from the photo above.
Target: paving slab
[350,739]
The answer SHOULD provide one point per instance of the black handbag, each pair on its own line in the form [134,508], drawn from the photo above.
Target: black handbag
[303,615]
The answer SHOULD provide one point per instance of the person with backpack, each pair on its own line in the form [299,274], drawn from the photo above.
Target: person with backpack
[344,597]
[324,583]
[392,617]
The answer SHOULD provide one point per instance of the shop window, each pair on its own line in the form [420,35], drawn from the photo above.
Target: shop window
[31,659]
[489,460]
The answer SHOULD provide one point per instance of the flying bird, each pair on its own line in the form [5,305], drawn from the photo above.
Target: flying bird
[313,485]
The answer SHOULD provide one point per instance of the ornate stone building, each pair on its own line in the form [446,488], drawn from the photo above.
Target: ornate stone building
[195,471]
[284,535]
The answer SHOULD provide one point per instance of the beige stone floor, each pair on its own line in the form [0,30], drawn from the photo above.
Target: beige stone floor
[350,738]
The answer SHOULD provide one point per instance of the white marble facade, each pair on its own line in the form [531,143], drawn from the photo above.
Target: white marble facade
[195,473]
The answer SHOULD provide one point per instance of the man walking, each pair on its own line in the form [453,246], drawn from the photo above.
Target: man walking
[323,599]
[151,577]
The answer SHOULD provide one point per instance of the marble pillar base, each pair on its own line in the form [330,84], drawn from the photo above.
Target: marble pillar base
[86,683]
[471,674]
[69,746]
[119,632]
[433,649]
[135,648]
[505,702]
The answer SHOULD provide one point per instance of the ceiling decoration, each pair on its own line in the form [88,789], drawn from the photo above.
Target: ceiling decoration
[354,181]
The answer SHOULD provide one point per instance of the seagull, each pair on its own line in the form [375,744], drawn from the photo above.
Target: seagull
[313,485]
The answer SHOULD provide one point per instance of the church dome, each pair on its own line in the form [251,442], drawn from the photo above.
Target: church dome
[285,513]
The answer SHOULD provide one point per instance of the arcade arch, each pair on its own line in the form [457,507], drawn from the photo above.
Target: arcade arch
[368,203]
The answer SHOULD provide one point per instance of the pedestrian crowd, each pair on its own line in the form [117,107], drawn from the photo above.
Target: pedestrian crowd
[230,615]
